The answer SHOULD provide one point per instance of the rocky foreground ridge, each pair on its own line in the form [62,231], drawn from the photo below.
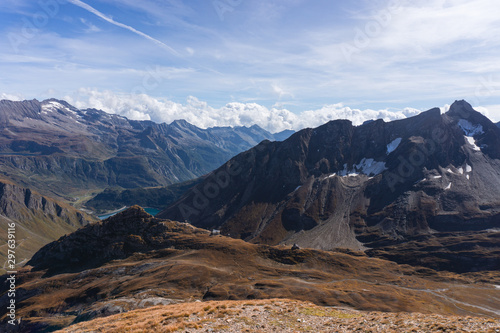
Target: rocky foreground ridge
[135,261]
[277,315]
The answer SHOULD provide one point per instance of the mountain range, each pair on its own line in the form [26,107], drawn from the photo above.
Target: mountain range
[361,187]
[72,154]
[52,153]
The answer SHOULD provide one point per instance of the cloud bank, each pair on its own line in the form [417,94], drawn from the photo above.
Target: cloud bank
[199,113]
[11,97]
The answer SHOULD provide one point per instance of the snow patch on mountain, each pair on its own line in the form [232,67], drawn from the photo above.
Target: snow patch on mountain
[393,145]
[367,166]
[472,142]
[470,129]
[53,106]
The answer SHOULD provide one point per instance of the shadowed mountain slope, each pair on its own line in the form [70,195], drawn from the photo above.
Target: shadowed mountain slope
[154,197]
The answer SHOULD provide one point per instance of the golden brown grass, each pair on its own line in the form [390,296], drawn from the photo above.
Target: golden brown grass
[200,267]
[276,315]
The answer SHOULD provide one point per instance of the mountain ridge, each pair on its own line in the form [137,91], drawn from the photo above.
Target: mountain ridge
[357,187]
[71,153]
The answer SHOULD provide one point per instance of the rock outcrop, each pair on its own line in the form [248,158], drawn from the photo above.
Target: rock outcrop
[118,237]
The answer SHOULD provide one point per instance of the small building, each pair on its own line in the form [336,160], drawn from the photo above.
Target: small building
[215,232]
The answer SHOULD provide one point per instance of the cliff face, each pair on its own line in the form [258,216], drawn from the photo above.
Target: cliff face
[38,220]
[344,186]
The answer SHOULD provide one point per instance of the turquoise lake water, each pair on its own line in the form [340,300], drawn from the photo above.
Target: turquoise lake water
[152,211]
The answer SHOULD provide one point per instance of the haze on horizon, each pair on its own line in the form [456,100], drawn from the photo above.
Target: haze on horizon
[278,63]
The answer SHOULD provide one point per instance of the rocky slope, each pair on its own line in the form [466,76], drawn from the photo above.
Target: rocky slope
[135,261]
[62,151]
[38,220]
[358,187]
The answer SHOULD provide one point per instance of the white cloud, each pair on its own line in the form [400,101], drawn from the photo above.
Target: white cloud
[12,97]
[121,25]
[199,113]
[490,111]
[419,29]
[90,26]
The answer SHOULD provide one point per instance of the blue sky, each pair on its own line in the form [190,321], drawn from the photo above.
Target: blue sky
[278,63]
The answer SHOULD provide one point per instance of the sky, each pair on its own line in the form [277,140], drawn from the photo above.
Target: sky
[280,64]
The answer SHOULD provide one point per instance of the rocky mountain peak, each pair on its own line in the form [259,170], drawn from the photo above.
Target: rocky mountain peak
[135,214]
[461,107]
[181,123]
[479,131]
[464,115]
